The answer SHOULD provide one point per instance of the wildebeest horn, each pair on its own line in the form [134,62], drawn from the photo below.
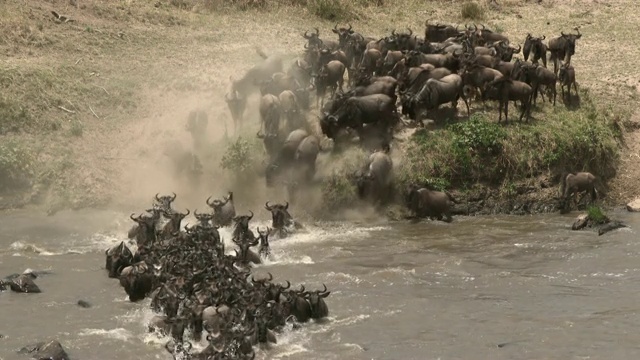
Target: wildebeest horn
[188,212]
[305,34]
[325,288]
[288,285]
[286,206]
[132,218]
[259,134]
[543,37]
[270,276]
[266,206]
[335,27]
[174,196]
[306,46]
[251,217]
[519,48]
[209,198]
[318,31]
[562,33]
[157,198]
[410,31]
[393,32]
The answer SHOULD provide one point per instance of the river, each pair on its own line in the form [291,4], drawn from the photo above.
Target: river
[503,287]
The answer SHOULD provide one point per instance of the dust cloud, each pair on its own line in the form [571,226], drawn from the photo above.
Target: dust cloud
[163,156]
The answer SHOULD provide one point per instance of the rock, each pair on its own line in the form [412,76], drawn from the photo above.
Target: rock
[634,206]
[51,350]
[580,222]
[84,304]
[610,226]
[24,284]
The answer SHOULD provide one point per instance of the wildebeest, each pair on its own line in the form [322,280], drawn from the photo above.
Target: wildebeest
[305,157]
[265,249]
[270,113]
[536,76]
[281,221]
[430,203]
[317,305]
[562,48]
[360,110]
[291,111]
[22,283]
[223,211]
[504,90]
[331,75]
[576,183]
[438,32]
[117,258]
[479,76]
[173,225]
[535,47]
[567,77]
[437,92]
[137,281]
[376,181]
[285,156]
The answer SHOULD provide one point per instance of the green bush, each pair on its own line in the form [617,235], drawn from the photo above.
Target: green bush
[481,150]
[338,192]
[596,215]
[472,10]
[16,166]
[240,158]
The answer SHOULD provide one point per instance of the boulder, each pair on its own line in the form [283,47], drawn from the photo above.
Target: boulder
[51,350]
[580,222]
[634,206]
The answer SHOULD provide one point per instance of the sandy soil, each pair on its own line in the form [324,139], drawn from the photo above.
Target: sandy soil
[175,61]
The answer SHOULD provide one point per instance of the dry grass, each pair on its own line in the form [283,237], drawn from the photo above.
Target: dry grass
[131,72]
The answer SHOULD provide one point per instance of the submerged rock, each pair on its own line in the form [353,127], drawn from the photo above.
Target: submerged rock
[602,224]
[51,350]
[23,284]
[84,304]
[634,206]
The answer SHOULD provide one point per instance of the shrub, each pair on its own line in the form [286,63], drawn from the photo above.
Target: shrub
[332,10]
[16,164]
[338,192]
[472,10]
[596,215]
[239,158]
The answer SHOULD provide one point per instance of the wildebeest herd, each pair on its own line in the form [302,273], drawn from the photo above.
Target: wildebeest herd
[391,82]
[193,284]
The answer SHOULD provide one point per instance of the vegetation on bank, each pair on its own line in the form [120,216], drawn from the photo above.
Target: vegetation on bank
[480,150]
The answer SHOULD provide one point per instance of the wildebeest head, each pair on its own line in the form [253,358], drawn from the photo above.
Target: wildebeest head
[164,202]
[438,32]
[223,211]
[204,219]
[343,34]
[118,257]
[570,45]
[319,308]
[313,39]
[241,225]
[280,217]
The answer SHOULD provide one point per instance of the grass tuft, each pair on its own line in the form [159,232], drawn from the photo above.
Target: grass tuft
[333,10]
[597,215]
[472,10]
[16,166]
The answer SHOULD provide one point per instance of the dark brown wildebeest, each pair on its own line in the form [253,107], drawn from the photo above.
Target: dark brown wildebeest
[504,90]
[535,47]
[576,183]
[424,202]
[438,32]
[343,35]
[270,114]
[562,48]
[437,92]
[567,77]
[331,75]
[313,39]
[536,75]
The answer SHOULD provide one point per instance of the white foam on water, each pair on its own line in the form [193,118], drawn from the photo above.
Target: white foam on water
[340,278]
[116,334]
[30,248]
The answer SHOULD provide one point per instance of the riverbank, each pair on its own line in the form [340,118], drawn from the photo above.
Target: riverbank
[95,109]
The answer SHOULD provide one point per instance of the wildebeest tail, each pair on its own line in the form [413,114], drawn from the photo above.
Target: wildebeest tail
[261,52]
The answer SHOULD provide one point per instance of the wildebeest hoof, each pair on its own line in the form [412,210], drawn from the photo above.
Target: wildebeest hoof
[84,304]
[24,284]
[51,350]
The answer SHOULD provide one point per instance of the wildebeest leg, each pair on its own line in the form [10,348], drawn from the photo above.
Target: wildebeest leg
[506,112]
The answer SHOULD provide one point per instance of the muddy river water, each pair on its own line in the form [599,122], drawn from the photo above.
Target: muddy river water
[504,287]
